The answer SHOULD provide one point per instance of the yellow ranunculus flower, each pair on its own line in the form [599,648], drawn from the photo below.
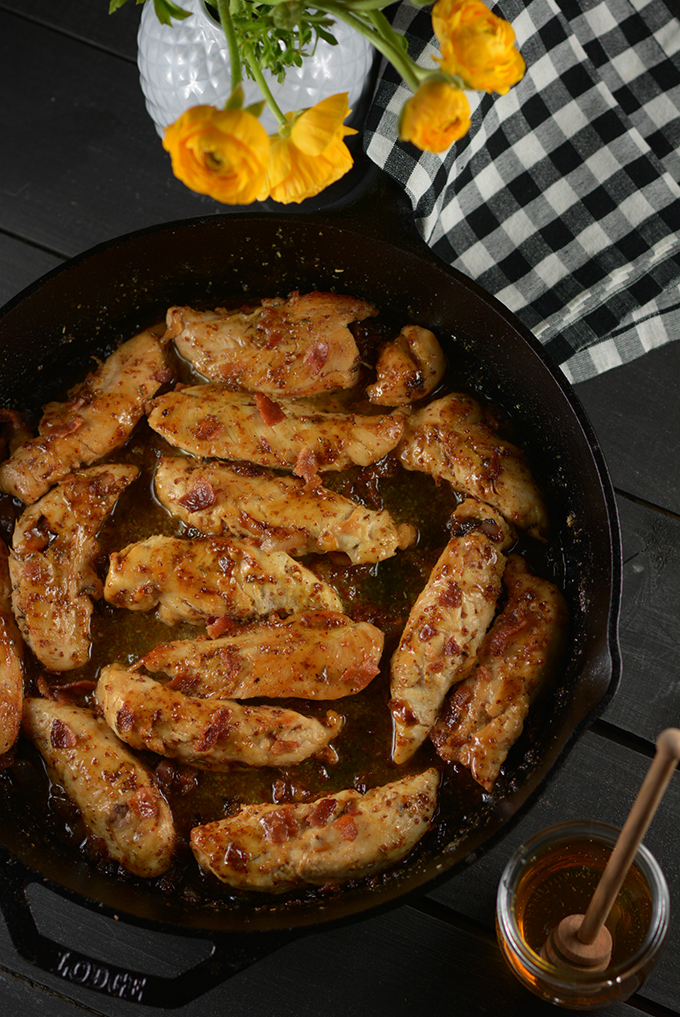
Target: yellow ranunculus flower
[435,116]
[222,153]
[313,155]
[477,45]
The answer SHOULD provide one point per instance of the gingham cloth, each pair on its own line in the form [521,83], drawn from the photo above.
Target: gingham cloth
[563,199]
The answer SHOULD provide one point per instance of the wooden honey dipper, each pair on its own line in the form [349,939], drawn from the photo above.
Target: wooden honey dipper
[583,941]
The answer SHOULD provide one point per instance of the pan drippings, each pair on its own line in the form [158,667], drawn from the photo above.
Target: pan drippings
[384,593]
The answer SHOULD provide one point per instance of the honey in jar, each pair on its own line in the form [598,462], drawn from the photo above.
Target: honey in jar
[553,875]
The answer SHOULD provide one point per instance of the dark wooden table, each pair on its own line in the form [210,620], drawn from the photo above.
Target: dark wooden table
[81,163]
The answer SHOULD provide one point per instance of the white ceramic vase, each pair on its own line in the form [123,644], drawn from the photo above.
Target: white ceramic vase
[187,64]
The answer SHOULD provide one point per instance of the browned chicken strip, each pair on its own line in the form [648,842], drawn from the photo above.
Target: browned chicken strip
[484,715]
[339,837]
[447,623]
[208,577]
[118,800]
[292,347]
[209,734]
[450,440]
[53,552]
[99,416]
[322,655]
[280,512]
[211,422]
[11,661]
[408,368]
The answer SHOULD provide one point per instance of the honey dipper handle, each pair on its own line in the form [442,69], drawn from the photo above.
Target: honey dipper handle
[641,814]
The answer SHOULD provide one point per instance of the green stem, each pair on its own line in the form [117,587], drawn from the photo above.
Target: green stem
[382,37]
[256,71]
[224,12]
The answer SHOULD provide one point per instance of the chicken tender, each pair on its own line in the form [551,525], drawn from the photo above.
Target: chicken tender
[484,715]
[339,837]
[100,415]
[450,440]
[447,623]
[294,347]
[118,800]
[322,655]
[209,577]
[408,368]
[207,734]
[279,512]
[212,422]
[11,661]
[52,563]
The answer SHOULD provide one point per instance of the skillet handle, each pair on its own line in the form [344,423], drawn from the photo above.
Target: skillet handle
[229,954]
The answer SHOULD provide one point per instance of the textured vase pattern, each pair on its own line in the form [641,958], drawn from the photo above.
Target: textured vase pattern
[187,64]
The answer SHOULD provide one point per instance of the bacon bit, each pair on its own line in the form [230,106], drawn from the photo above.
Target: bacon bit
[306,467]
[270,411]
[125,718]
[61,735]
[491,529]
[402,712]
[502,633]
[346,827]
[44,688]
[427,632]
[451,596]
[200,497]
[183,683]
[216,729]
[322,812]
[280,825]
[36,539]
[279,747]
[163,375]
[216,627]
[243,468]
[236,858]
[65,693]
[11,417]
[230,372]
[34,572]
[274,337]
[208,427]
[164,774]
[142,804]
[316,357]
[67,427]
[451,648]
[327,755]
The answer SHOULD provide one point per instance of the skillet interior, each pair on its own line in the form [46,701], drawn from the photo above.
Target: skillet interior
[47,335]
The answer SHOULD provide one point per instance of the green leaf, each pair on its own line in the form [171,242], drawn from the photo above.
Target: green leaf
[235,100]
[326,36]
[115,4]
[256,108]
[166,10]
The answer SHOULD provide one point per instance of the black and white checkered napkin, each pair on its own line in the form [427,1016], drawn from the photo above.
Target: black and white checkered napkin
[564,198]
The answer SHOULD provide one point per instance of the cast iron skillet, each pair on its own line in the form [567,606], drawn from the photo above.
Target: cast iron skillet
[47,335]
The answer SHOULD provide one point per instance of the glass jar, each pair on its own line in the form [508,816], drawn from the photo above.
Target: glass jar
[553,875]
[187,64]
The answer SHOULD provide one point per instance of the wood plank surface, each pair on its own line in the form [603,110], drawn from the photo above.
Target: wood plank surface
[101,171]
[639,429]
[87,20]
